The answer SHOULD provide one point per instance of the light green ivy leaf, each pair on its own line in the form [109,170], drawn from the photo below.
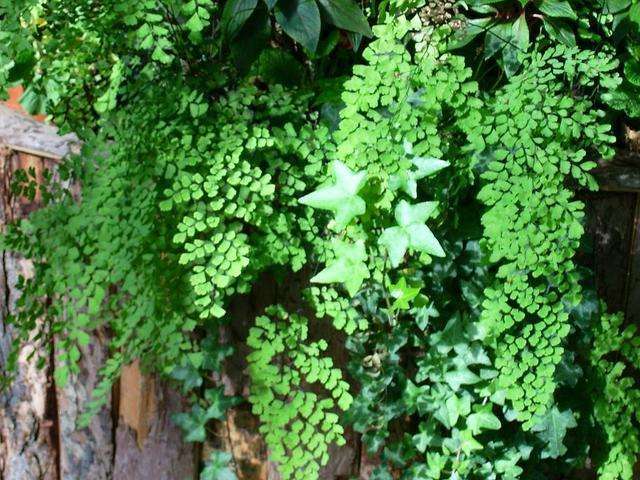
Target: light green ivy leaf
[342,197]
[348,267]
[403,294]
[407,180]
[411,232]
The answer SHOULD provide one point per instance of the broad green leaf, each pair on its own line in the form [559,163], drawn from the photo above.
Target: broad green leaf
[557,9]
[251,39]
[616,6]
[300,19]
[348,266]
[498,36]
[347,15]
[559,31]
[551,429]
[634,13]
[270,3]
[469,32]
[632,71]
[235,14]
[342,197]
[520,33]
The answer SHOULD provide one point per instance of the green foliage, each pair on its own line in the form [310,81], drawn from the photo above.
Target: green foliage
[411,232]
[616,396]
[297,423]
[342,198]
[538,132]
[217,467]
[421,207]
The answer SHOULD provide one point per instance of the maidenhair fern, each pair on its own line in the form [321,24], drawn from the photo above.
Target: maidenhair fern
[298,424]
[538,130]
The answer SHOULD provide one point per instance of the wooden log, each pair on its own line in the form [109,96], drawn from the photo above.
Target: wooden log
[28,435]
[147,443]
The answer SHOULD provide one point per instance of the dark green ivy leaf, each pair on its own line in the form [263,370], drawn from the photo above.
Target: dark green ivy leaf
[235,14]
[346,14]
[551,429]
[300,19]
[270,3]
[217,467]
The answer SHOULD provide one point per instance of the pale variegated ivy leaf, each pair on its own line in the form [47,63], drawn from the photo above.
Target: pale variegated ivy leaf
[407,180]
[342,197]
[411,232]
[348,266]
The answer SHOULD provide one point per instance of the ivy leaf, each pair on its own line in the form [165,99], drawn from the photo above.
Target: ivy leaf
[411,232]
[300,19]
[348,267]
[235,14]
[217,467]
[347,15]
[406,180]
[463,376]
[270,3]
[340,198]
[403,294]
[557,9]
[483,420]
[426,437]
[551,429]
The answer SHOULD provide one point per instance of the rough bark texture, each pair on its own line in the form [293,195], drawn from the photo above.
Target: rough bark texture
[147,443]
[88,452]
[28,435]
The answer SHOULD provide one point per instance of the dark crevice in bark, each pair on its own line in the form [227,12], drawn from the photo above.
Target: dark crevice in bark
[115,420]
[633,251]
[51,412]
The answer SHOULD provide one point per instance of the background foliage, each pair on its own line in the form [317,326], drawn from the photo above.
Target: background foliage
[344,149]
